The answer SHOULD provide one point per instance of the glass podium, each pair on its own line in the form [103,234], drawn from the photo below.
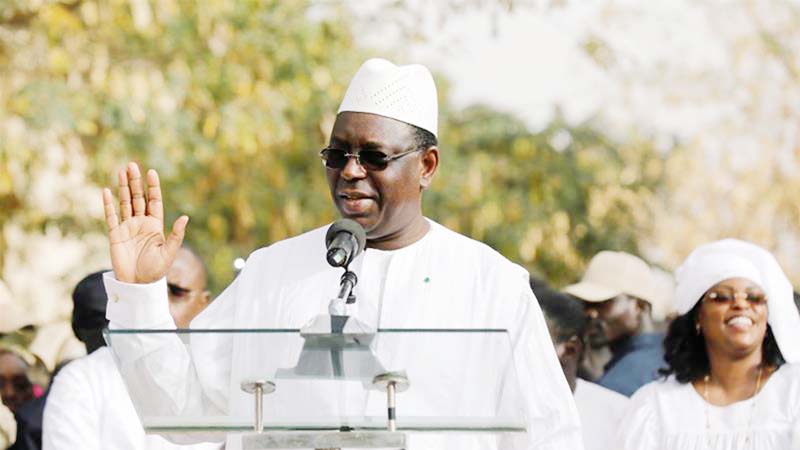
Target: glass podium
[292,388]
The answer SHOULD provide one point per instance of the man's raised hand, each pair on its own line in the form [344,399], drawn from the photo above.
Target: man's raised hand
[140,253]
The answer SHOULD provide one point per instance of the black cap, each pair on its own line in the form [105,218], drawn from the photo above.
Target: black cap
[89,301]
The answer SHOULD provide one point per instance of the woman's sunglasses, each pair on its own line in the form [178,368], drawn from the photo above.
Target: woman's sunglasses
[722,297]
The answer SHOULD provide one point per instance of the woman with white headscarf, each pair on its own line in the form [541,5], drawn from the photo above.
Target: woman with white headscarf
[731,381]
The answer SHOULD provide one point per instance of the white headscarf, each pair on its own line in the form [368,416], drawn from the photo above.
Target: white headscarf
[717,261]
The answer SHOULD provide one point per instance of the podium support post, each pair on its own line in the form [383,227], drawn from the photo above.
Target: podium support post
[258,388]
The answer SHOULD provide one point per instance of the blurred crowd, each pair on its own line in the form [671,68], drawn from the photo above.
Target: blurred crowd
[617,329]
[62,377]
[705,359]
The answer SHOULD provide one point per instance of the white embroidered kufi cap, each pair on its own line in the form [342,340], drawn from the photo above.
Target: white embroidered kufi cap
[717,261]
[405,93]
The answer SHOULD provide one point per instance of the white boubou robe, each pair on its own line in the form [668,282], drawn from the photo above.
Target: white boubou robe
[88,408]
[443,281]
[601,411]
[666,414]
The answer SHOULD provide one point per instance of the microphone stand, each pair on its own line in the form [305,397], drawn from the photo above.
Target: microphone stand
[337,321]
[338,346]
[345,297]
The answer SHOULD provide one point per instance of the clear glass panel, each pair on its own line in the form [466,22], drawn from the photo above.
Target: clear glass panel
[459,380]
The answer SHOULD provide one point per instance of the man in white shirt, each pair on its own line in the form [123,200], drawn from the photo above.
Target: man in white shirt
[88,406]
[414,273]
[600,409]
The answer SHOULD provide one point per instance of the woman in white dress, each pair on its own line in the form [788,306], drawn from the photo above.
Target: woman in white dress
[731,379]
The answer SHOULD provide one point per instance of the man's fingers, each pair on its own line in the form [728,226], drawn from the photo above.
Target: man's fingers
[175,238]
[125,210]
[108,206]
[155,207]
[137,189]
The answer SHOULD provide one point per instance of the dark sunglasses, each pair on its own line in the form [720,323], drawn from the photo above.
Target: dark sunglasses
[336,158]
[178,291]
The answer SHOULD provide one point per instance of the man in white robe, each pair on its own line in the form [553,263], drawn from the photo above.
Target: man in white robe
[414,273]
[88,407]
[601,410]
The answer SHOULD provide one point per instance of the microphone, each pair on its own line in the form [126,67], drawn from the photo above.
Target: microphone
[344,240]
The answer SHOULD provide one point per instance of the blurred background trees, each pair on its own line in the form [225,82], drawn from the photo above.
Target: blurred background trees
[548,200]
[230,101]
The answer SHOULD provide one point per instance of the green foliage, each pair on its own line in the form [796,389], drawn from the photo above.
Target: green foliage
[230,102]
[550,199]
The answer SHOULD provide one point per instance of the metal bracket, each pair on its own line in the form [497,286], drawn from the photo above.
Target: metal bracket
[391,383]
[258,388]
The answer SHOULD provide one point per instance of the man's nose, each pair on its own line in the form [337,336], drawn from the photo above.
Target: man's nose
[352,170]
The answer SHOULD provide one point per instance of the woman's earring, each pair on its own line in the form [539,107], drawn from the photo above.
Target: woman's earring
[697,328]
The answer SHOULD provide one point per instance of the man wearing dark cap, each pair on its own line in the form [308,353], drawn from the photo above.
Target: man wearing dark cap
[601,410]
[89,311]
[88,406]
[88,320]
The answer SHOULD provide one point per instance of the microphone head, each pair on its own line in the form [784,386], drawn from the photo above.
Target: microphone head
[352,228]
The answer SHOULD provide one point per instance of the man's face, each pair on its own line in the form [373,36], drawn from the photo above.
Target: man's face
[386,201]
[15,387]
[186,280]
[613,319]
[568,351]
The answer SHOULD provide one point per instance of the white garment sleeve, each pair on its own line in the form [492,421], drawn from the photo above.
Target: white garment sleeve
[639,429]
[163,376]
[553,422]
[71,419]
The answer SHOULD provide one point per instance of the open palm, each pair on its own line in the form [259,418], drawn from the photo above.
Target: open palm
[140,252]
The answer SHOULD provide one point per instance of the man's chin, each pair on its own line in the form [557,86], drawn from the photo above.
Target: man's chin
[366,222]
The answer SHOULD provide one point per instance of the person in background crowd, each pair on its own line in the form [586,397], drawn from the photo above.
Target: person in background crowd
[600,409]
[617,289]
[29,419]
[21,382]
[187,280]
[732,378]
[55,350]
[88,407]
[16,387]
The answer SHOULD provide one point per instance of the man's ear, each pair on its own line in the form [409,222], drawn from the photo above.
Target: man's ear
[429,162]
[205,297]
